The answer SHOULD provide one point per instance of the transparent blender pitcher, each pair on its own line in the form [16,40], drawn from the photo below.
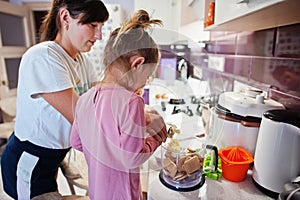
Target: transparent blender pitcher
[182,163]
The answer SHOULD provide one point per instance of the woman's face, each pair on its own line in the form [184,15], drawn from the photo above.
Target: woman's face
[83,36]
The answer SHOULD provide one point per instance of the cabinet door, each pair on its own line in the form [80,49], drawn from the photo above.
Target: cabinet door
[14,41]
[166,10]
[169,11]
[226,10]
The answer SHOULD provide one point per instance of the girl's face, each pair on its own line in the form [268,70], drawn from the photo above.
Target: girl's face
[143,74]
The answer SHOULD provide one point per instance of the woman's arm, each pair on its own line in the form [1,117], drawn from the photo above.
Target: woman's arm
[64,101]
[75,140]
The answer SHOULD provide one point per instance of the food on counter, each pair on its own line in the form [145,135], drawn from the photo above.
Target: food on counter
[192,164]
[173,145]
[182,167]
[190,150]
[163,96]
[172,130]
[207,169]
[180,164]
[170,167]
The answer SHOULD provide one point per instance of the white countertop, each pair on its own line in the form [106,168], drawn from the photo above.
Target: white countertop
[212,189]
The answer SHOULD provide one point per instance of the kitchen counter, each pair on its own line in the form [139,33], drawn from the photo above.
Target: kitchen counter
[189,126]
[212,189]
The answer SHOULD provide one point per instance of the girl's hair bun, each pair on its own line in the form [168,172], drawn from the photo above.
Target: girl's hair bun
[140,19]
[132,38]
[142,16]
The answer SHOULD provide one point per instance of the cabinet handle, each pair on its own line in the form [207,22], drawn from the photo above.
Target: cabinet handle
[242,1]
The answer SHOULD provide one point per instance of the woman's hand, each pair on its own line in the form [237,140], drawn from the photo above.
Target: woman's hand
[155,124]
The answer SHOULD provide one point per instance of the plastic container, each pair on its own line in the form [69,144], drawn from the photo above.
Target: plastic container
[235,163]
[182,163]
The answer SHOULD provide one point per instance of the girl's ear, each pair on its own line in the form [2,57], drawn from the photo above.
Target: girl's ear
[136,61]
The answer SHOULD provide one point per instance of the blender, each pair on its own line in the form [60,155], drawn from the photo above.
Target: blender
[182,163]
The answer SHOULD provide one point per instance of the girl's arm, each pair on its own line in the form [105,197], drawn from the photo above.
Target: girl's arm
[136,150]
[74,137]
[155,124]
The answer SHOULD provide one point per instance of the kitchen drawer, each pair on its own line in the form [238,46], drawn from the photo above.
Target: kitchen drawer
[226,10]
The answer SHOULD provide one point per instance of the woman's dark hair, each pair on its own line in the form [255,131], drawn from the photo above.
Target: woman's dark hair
[92,10]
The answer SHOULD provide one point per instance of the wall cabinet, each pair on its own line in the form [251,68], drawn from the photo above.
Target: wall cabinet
[232,9]
[168,11]
[175,14]
[252,15]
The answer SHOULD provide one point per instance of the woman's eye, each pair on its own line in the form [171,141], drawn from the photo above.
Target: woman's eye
[93,25]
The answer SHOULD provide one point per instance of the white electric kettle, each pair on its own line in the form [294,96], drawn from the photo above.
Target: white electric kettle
[277,153]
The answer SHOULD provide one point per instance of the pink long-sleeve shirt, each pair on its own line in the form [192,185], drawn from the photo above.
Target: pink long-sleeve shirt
[109,127]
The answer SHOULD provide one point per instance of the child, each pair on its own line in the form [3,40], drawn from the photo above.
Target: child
[111,125]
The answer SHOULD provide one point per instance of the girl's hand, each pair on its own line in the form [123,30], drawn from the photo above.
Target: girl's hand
[155,125]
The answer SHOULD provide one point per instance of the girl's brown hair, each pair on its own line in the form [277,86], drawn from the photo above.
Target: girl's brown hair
[132,38]
[92,10]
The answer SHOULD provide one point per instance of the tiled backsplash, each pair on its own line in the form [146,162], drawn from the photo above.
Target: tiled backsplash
[267,59]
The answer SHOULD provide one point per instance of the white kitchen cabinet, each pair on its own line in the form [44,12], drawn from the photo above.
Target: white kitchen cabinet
[175,14]
[226,10]
[252,15]
[169,12]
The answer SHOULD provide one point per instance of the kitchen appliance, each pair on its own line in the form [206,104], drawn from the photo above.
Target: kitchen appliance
[235,120]
[291,191]
[182,163]
[277,154]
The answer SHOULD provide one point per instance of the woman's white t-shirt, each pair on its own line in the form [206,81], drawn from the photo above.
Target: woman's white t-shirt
[45,68]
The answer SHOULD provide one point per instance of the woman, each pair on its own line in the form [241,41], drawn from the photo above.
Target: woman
[52,75]
[111,126]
